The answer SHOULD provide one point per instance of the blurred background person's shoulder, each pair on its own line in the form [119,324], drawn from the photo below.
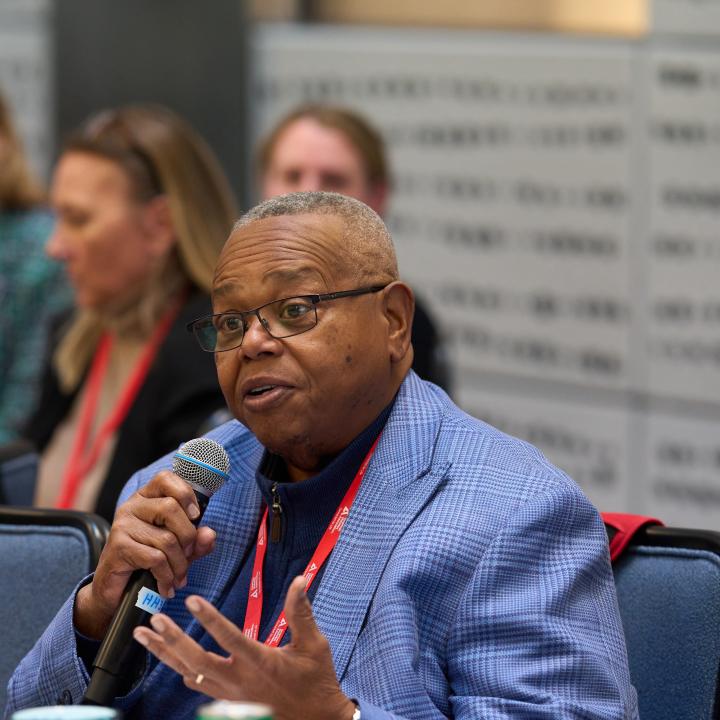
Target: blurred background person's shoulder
[32,287]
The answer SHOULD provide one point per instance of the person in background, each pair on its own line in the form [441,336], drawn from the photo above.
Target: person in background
[143,210]
[32,287]
[324,147]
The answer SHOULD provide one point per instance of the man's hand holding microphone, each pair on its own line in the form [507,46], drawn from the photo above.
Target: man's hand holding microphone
[153,540]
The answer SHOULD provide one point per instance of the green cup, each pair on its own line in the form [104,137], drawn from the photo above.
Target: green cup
[67,712]
[226,710]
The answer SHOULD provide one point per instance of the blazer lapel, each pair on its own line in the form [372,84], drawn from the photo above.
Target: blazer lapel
[400,480]
[236,529]
[233,512]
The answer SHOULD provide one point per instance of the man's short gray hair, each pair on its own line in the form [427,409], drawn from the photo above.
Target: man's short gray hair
[367,243]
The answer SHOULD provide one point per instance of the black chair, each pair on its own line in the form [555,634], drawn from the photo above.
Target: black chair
[43,555]
[668,587]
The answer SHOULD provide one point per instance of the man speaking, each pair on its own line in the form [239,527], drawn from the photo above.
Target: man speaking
[453,572]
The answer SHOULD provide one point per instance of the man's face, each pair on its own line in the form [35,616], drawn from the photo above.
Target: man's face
[305,397]
[308,157]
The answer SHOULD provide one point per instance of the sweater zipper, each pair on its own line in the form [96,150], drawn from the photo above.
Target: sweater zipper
[276,522]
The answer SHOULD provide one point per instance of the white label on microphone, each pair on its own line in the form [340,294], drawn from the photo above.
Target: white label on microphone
[149,601]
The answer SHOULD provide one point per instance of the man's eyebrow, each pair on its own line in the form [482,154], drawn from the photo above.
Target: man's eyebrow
[293,274]
[227,288]
[283,275]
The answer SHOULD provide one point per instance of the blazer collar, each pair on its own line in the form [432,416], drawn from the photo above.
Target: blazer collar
[234,513]
[402,476]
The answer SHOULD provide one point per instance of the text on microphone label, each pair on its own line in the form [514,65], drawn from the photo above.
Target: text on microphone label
[149,601]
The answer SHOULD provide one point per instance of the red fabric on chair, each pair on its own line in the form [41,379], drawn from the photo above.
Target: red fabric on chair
[624,527]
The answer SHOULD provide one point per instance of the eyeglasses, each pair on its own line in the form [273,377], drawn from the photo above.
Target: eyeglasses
[281,319]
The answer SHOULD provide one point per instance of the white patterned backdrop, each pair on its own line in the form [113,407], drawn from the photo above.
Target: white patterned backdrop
[557,203]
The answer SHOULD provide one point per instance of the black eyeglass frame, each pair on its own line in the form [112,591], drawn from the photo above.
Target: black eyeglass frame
[315,299]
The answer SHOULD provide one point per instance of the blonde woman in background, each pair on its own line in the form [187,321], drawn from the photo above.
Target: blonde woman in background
[32,287]
[143,210]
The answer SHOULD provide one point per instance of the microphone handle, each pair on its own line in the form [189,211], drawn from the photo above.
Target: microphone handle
[119,651]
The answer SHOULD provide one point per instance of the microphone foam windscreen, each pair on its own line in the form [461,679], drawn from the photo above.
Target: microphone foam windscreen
[203,463]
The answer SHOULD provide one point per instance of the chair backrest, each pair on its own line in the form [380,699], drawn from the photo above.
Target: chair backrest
[668,587]
[43,555]
[18,473]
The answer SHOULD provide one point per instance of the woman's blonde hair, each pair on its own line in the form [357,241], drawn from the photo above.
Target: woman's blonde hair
[19,189]
[161,155]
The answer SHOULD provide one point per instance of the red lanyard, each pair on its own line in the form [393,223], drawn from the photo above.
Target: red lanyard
[84,454]
[253,614]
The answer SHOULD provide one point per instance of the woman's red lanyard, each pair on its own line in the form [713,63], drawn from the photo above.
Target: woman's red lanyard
[253,614]
[84,454]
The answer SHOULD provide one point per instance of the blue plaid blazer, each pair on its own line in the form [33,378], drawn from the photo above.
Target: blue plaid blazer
[471,580]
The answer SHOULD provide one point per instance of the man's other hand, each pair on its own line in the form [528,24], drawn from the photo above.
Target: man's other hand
[296,679]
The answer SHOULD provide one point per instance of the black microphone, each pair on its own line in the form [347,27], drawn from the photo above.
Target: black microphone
[204,465]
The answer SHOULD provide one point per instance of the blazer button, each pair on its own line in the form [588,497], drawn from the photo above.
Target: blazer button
[65,698]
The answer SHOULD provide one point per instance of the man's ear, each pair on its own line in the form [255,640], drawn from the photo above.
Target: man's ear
[399,307]
[159,226]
